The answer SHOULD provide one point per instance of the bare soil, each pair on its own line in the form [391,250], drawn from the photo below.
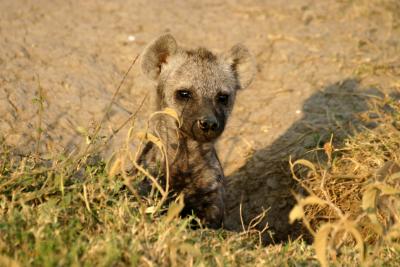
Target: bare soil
[319,65]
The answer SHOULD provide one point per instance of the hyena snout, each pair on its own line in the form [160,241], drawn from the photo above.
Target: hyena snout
[208,124]
[207,128]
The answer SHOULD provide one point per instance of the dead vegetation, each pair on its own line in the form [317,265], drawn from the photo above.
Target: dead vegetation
[354,191]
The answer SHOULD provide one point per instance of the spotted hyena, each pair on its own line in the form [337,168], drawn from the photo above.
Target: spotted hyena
[201,86]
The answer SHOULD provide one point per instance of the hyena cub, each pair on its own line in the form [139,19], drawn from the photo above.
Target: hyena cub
[201,86]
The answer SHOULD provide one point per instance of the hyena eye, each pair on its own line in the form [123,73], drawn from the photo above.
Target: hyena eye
[223,99]
[183,95]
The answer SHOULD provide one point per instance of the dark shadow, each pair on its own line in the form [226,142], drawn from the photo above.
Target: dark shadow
[332,110]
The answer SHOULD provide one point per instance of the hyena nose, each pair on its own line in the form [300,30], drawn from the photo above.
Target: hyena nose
[208,124]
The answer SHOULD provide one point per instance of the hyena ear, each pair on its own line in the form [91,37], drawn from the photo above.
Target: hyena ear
[156,54]
[242,63]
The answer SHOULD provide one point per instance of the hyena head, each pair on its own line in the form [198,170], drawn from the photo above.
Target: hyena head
[198,84]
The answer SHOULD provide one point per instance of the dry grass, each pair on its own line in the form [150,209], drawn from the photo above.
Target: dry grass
[79,211]
[354,191]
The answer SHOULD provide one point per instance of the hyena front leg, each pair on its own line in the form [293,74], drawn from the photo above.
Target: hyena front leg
[213,208]
[206,200]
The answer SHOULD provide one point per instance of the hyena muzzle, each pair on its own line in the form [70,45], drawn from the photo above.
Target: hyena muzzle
[201,87]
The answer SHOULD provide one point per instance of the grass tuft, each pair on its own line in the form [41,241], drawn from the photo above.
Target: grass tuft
[354,192]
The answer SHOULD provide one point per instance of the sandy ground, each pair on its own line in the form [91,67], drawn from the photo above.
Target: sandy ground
[319,64]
